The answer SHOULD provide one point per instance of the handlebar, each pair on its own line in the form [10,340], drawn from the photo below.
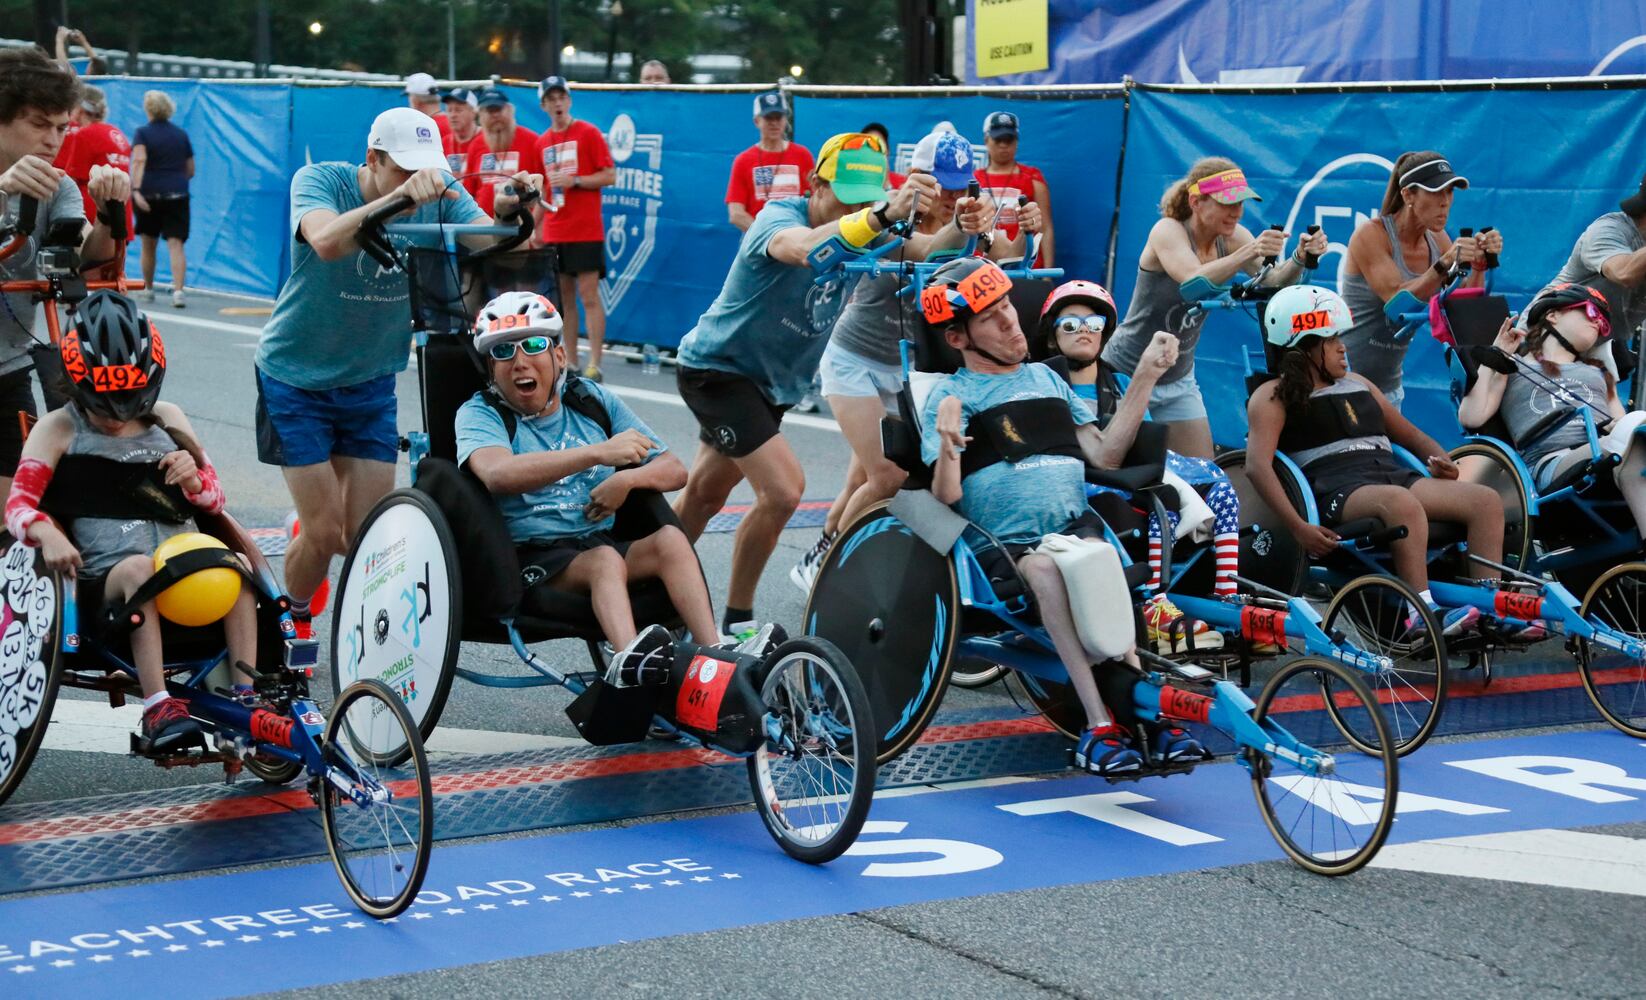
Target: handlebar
[373,232]
[1311,260]
[1273,259]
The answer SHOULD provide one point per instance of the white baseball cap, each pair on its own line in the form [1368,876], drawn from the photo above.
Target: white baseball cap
[409,137]
[421,85]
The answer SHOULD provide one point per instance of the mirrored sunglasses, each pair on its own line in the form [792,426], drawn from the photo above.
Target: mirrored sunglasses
[531,345]
[1071,325]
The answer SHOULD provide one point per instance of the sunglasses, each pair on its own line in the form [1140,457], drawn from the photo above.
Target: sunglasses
[1070,325]
[533,346]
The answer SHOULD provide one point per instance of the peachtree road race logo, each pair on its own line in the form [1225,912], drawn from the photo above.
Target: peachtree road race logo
[631,205]
[1327,199]
[27,613]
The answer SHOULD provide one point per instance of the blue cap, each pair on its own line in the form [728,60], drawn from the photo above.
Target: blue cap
[550,83]
[492,97]
[770,103]
[952,162]
[1000,125]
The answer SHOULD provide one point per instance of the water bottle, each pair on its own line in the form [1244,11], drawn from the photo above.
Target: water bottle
[650,361]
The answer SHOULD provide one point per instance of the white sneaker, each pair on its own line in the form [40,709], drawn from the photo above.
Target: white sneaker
[804,572]
[177,298]
[147,295]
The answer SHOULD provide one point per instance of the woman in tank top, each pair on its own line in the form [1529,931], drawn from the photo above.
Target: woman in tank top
[1405,248]
[1199,235]
[1339,427]
[1564,325]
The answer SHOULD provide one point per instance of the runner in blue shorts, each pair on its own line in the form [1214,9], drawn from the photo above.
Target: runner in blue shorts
[339,335]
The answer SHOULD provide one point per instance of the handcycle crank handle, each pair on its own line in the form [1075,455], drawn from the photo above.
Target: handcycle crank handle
[1311,260]
[1272,259]
[28,211]
[389,210]
[1380,537]
[1491,258]
[115,212]
[371,237]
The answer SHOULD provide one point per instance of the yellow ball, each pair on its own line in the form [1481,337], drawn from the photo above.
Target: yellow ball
[199,598]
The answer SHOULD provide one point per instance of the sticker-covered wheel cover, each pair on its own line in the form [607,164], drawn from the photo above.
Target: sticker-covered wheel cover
[27,617]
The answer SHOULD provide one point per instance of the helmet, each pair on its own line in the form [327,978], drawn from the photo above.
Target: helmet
[1566,295]
[512,316]
[199,598]
[1088,293]
[113,359]
[1298,312]
[961,289]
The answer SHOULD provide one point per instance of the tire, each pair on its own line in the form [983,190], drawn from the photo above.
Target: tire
[1355,827]
[1055,700]
[381,851]
[1268,553]
[31,662]
[813,788]
[1370,614]
[1485,463]
[891,605]
[1615,684]
[373,637]
[971,673]
[275,771]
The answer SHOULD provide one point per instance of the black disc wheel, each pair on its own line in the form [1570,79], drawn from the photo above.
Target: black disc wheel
[1484,463]
[378,818]
[890,603]
[31,661]
[1330,811]
[1370,614]
[813,777]
[1617,683]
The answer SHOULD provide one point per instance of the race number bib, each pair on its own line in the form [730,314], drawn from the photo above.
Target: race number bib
[698,704]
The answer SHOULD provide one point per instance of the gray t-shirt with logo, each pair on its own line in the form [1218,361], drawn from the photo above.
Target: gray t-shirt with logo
[1527,399]
[17,310]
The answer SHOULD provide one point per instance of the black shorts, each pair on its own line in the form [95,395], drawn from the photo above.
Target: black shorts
[167,218]
[993,561]
[580,258]
[1334,478]
[16,396]
[735,416]
[541,560]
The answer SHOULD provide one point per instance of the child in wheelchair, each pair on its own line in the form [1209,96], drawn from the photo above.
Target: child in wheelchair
[1073,324]
[1338,427]
[1022,494]
[1565,324]
[124,473]
[559,479]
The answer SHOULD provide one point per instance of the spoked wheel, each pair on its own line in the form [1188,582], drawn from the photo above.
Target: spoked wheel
[1485,463]
[890,603]
[1370,613]
[380,833]
[1617,683]
[1333,817]
[274,770]
[31,661]
[974,673]
[1056,701]
[399,610]
[813,777]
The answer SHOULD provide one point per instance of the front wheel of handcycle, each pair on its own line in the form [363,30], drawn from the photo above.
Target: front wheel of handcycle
[813,776]
[380,824]
[1330,812]
[1370,614]
[1616,683]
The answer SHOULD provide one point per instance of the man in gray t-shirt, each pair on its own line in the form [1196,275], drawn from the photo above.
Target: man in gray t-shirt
[1611,256]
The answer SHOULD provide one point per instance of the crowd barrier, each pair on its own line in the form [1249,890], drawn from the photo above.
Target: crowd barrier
[1543,158]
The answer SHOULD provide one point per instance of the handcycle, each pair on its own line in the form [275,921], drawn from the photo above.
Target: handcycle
[433,566]
[904,591]
[378,821]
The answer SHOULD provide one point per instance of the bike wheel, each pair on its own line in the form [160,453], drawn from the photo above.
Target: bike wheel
[1055,700]
[1616,683]
[974,673]
[1370,614]
[379,841]
[274,770]
[1333,821]
[1485,463]
[813,777]
[31,662]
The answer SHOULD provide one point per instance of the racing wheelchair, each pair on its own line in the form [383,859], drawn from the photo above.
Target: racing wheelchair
[58,631]
[908,590]
[433,566]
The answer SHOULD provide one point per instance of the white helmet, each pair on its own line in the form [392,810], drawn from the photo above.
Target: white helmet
[514,316]
[1300,311]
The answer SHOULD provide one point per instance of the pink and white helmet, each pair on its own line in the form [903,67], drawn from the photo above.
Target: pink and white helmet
[1089,293]
[514,316]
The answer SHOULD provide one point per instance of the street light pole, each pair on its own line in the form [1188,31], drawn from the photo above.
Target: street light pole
[554,38]
[262,55]
[451,40]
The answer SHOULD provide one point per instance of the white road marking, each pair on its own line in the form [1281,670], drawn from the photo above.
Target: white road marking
[1565,859]
[163,319]
[94,727]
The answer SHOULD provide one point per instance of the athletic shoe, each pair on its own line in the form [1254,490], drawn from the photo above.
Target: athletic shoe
[166,726]
[1529,633]
[1171,743]
[1264,647]
[177,298]
[805,571]
[147,295]
[1452,622]
[808,404]
[1171,631]
[644,660]
[1107,751]
[592,373]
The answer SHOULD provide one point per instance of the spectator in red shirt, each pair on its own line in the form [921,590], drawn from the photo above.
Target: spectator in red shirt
[463,112]
[576,165]
[772,168]
[501,148]
[92,142]
[894,180]
[422,94]
[1005,180]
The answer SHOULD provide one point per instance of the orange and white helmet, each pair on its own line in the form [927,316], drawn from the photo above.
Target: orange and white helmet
[514,316]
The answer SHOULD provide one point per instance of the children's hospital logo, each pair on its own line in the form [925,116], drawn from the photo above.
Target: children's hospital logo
[631,206]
